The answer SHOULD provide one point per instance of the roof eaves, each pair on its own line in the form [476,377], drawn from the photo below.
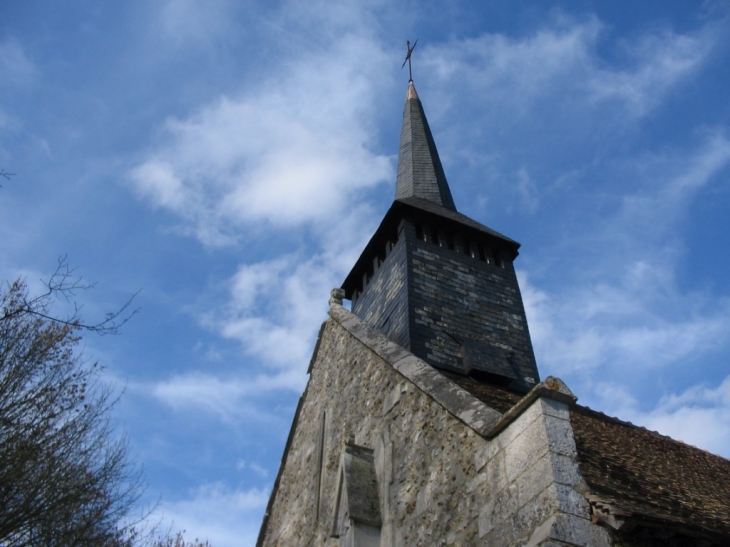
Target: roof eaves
[419,207]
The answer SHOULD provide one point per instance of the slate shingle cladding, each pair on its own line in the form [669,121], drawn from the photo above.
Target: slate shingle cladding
[444,287]
[382,296]
[467,312]
[419,167]
[435,281]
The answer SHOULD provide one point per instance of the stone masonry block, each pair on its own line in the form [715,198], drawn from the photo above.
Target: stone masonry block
[560,435]
[486,453]
[554,408]
[477,483]
[523,451]
[565,470]
[537,510]
[497,512]
[571,502]
[522,422]
[535,479]
[578,531]
[391,400]
[496,475]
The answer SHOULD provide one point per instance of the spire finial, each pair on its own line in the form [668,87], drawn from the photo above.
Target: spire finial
[408,58]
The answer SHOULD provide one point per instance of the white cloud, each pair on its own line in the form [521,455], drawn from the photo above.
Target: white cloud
[283,311]
[620,328]
[279,304]
[162,187]
[624,309]
[560,99]
[253,466]
[517,68]
[224,516]
[195,21]
[230,399]
[527,191]
[699,416]
[667,183]
[657,62]
[561,61]
[290,151]
[15,66]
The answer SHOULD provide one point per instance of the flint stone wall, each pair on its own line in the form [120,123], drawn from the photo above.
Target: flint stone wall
[440,481]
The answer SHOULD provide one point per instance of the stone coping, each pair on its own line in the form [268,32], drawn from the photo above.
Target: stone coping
[550,388]
[456,400]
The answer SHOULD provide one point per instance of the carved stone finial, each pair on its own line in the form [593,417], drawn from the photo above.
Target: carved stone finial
[336,296]
[557,385]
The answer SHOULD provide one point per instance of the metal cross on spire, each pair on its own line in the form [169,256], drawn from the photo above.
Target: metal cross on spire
[408,58]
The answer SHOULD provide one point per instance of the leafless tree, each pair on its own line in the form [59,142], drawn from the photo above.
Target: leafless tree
[144,537]
[178,540]
[65,476]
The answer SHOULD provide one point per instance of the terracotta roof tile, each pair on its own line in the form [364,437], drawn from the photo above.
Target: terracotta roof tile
[654,476]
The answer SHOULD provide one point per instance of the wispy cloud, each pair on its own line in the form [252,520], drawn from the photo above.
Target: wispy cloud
[655,64]
[290,151]
[195,22]
[561,60]
[670,181]
[699,415]
[553,102]
[15,66]
[290,154]
[231,399]
[225,516]
[625,304]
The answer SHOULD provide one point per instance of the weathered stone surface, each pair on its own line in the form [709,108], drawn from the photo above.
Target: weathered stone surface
[360,485]
[439,481]
[570,530]
[455,399]
[431,451]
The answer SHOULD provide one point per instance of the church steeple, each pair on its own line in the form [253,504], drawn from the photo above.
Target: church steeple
[420,173]
[438,283]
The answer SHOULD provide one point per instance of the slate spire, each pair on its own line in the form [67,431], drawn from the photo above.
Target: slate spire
[420,173]
[438,283]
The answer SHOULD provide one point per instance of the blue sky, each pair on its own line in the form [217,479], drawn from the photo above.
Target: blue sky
[231,159]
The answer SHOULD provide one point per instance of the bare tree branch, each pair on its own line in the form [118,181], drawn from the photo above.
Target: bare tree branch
[64,284]
[5,175]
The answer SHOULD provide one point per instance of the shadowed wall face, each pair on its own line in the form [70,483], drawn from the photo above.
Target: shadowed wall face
[467,313]
[453,301]
[383,300]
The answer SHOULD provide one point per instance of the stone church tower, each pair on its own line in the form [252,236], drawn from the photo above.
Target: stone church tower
[425,423]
